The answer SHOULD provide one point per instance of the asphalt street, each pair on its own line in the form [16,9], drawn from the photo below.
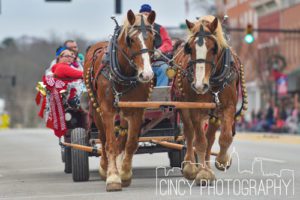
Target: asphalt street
[263,168]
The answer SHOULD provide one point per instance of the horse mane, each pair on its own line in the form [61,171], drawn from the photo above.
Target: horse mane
[127,26]
[219,34]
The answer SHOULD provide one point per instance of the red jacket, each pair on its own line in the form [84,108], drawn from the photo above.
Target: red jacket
[166,45]
[63,70]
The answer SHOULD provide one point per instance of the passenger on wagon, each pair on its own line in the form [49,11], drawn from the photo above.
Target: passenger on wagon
[72,45]
[73,77]
[159,66]
[62,69]
[76,63]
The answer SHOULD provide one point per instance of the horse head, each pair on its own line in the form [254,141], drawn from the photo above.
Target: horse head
[137,40]
[202,46]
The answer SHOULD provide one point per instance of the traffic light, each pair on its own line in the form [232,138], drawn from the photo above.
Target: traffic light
[58,0]
[249,38]
[118,6]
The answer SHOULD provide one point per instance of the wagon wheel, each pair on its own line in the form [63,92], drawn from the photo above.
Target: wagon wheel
[66,155]
[68,160]
[176,157]
[80,159]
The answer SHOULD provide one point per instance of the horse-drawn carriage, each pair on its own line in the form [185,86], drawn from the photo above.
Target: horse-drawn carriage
[159,124]
[119,81]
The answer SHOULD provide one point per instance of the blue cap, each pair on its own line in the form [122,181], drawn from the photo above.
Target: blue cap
[145,8]
[59,50]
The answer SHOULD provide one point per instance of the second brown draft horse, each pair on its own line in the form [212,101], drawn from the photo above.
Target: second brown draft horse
[209,72]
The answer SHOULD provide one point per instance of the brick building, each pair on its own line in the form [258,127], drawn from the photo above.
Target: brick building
[240,14]
[273,14]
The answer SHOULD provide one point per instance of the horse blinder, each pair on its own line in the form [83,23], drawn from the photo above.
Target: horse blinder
[187,48]
[128,41]
[215,49]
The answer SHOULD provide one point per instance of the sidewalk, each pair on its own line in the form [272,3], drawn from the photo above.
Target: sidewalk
[268,137]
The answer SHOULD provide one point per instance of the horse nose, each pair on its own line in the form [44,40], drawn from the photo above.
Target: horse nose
[205,87]
[145,77]
[200,89]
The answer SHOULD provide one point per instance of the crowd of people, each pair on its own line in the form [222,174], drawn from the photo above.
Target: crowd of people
[280,118]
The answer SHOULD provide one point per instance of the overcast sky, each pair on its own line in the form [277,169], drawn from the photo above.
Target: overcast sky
[89,18]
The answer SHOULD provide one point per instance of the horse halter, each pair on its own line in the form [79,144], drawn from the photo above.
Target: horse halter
[188,50]
[142,28]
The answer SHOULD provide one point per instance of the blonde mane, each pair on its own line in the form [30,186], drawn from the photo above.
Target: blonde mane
[126,28]
[219,35]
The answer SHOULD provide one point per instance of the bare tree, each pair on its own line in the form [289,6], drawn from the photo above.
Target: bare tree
[26,58]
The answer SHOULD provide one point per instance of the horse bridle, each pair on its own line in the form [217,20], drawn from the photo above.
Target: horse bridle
[187,49]
[143,28]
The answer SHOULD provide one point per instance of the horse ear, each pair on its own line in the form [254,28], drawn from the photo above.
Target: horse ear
[189,24]
[151,17]
[213,26]
[130,17]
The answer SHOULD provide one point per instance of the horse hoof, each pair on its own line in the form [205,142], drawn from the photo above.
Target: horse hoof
[126,183]
[113,187]
[205,177]
[190,171]
[223,166]
[102,174]
[126,178]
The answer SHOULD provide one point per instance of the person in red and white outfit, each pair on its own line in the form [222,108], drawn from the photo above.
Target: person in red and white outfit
[63,69]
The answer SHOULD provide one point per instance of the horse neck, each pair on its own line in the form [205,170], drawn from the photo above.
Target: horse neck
[123,62]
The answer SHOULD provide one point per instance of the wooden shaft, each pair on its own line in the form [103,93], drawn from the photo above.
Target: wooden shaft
[157,104]
[149,139]
[81,147]
[160,142]
[160,138]
[175,146]
[168,144]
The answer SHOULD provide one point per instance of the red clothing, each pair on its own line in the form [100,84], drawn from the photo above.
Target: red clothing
[63,70]
[166,45]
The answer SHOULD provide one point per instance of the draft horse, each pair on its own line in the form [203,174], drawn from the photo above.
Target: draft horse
[209,72]
[120,70]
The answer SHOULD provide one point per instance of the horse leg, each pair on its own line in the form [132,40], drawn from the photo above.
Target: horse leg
[211,136]
[223,160]
[205,174]
[121,141]
[103,160]
[113,180]
[189,170]
[134,127]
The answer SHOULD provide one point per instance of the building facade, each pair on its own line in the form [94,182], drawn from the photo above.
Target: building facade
[259,56]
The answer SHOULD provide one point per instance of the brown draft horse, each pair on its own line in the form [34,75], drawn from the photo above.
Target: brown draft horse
[205,77]
[127,76]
